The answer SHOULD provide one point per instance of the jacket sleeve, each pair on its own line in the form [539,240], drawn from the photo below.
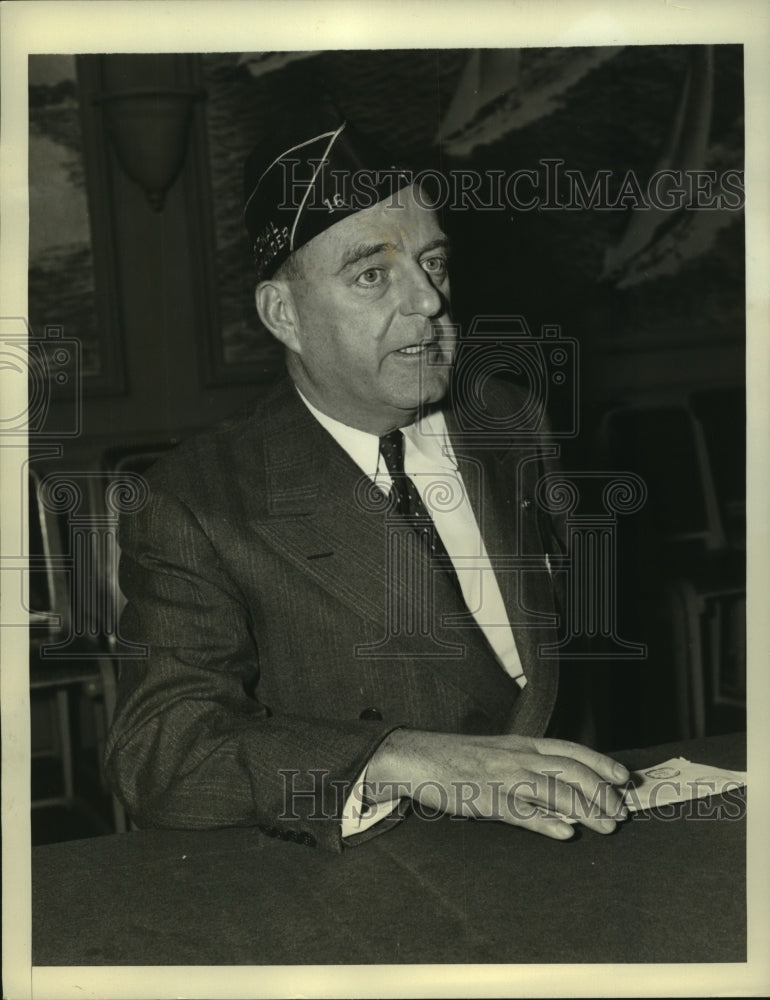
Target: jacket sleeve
[191,746]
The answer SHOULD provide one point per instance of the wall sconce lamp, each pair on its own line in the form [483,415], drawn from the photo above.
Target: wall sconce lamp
[149,130]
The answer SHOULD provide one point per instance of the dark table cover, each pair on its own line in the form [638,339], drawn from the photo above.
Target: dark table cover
[657,890]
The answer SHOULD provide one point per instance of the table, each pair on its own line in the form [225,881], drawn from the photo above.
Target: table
[446,891]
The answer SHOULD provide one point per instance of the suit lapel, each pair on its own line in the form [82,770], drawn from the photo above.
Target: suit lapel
[322,513]
[319,511]
[315,509]
[494,477]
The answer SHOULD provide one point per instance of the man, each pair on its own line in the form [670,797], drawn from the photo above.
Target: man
[314,618]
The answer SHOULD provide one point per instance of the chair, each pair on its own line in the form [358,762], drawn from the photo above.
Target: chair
[75,599]
[666,445]
[722,414]
[134,461]
[699,590]
[61,660]
[708,615]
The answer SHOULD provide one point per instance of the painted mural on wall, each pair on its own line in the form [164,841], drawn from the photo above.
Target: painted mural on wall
[610,194]
[61,264]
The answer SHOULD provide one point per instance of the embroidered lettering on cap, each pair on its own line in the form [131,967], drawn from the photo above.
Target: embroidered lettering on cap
[270,243]
[336,201]
[342,171]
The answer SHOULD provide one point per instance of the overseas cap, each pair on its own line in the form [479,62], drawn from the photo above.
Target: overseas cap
[305,186]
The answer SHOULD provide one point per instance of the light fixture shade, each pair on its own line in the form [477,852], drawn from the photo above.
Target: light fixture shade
[149,131]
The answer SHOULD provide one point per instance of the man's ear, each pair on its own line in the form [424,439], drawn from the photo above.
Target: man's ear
[276,310]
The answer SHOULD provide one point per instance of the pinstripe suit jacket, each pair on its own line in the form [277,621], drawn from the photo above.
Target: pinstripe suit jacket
[258,581]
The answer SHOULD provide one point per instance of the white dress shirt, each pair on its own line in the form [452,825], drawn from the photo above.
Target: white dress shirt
[430,462]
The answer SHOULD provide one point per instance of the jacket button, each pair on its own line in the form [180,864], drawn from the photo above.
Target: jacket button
[371,715]
[307,839]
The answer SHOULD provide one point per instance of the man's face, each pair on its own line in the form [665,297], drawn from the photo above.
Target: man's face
[374,339]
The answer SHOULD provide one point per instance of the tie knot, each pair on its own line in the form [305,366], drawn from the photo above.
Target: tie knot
[392,450]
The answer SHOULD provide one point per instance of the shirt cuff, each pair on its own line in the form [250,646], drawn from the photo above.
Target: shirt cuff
[357,815]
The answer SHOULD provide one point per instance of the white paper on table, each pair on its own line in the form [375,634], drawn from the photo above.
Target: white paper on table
[675,780]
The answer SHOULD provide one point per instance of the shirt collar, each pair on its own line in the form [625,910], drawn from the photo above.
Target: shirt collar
[426,441]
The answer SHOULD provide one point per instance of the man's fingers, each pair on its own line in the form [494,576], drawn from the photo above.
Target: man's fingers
[521,810]
[543,796]
[542,785]
[580,797]
[604,825]
[550,826]
[585,790]
[607,768]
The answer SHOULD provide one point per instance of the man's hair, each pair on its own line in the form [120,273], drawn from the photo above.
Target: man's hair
[291,268]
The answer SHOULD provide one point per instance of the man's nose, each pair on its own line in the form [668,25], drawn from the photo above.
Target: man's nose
[420,294]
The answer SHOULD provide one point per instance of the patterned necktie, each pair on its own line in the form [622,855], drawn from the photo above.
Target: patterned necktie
[408,502]
[409,505]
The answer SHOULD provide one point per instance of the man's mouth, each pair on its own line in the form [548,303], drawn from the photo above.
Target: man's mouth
[417,348]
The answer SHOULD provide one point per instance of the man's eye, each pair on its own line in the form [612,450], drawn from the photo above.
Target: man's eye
[371,276]
[435,266]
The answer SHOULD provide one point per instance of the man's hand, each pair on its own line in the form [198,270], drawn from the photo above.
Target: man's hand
[517,779]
